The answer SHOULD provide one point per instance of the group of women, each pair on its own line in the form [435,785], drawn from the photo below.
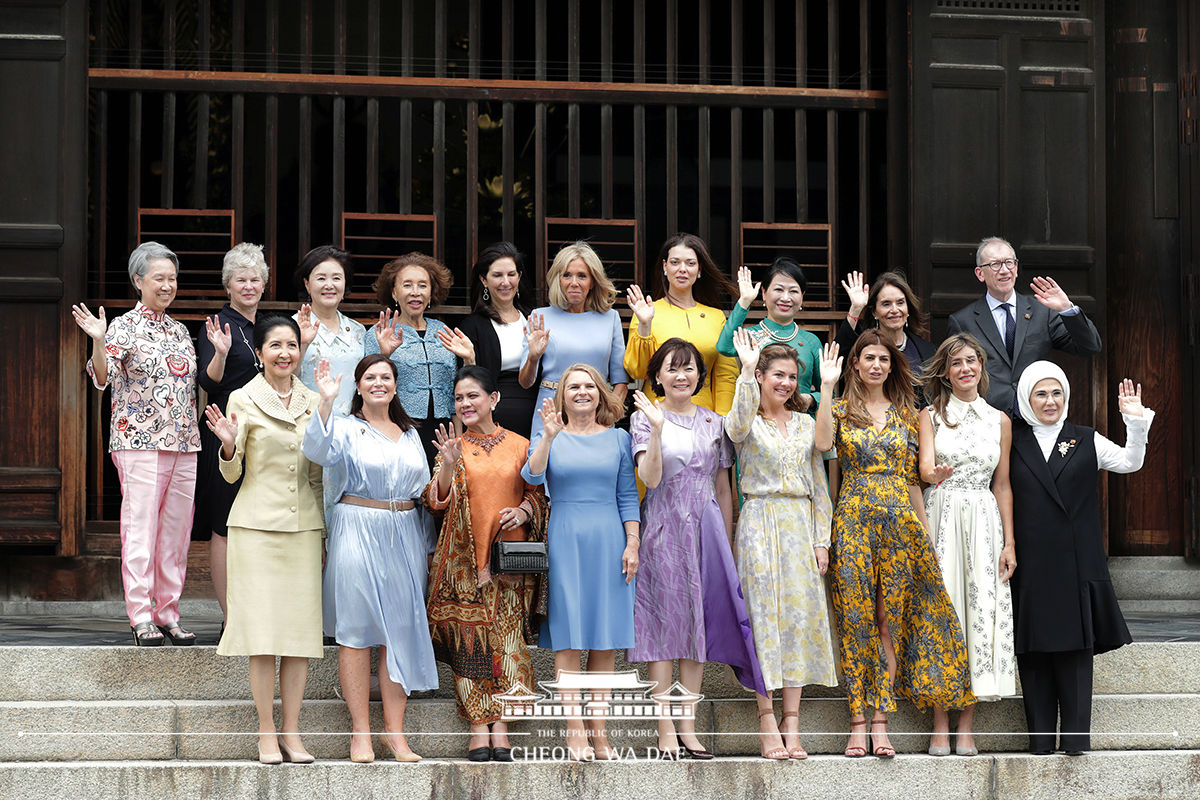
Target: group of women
[332,431]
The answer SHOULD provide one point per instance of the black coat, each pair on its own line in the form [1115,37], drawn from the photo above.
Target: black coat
[516,408]
[1063,597]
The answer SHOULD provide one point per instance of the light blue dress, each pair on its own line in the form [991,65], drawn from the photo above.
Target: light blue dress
[375,571]
[591,479]
[343,348]
[587,338]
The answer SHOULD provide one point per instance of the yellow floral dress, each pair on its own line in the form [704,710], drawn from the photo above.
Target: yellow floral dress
[880,545]
[786,515]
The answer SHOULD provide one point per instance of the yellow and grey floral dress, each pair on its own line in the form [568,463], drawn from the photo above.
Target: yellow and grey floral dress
[880,545]
[785,516]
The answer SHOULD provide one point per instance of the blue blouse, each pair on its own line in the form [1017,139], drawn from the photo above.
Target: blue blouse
[425,368]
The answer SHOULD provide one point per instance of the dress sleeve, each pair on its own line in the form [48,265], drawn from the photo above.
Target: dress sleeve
[1130,457]
[617,352]
[231,470]
[430,493]
[316,482]
[745,406]
[322,444]
[822,506]
[530,478]
[725,341]
[812,374]
[639,432]
[370,343]
[724,449]
[204,355]
[115,352]
[627,493]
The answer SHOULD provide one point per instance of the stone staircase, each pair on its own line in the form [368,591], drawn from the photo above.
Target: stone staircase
[1156,584]
[101,722]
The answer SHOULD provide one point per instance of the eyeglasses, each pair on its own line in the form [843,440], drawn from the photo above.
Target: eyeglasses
[675,262]
[996,266]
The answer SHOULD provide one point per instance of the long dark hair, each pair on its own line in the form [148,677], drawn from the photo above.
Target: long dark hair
[488,256]
[712,287]
[395,409]
[897,387]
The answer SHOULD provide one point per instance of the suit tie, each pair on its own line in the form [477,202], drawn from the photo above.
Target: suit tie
[1010,329]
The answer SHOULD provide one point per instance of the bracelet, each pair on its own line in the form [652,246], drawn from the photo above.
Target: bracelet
[851,316]
[637,536]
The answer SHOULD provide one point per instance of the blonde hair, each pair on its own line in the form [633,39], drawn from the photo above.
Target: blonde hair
[610,409]
[602,294]
[242,256]
[936,373]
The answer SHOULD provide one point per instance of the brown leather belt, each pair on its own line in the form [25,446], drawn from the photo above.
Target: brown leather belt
[386,505]
[551,385]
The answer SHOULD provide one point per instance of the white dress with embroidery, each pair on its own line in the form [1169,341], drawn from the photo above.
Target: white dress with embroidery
[964,521]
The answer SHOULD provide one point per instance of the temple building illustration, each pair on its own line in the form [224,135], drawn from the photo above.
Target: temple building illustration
[574,695]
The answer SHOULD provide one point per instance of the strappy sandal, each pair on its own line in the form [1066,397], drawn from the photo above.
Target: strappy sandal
[178,636]
[797,752]
[145,634]
[880,750]
[857,751]
[779,753]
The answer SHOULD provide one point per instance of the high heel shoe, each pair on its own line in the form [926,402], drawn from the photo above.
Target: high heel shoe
[854,750]
[268,758]
[779,753]
[145,634]
[294,757]
[403,758]
[939,749]
[700,755]
[178,636]
[880,750]
[797,752]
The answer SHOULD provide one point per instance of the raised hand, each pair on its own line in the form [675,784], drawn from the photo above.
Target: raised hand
[941,472]
[747,289]
[536,336]
[1049,294]
[457,342]
[94,327]
[448,447]
[387,333]
[309,325]
[1129,398]
[641,307]
[858,292]
[222,339]
[654,414]
[552,421]
[327,384]
[747,348]
[225,428]
[831,365]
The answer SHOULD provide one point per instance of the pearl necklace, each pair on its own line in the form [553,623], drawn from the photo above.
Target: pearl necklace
[779,337]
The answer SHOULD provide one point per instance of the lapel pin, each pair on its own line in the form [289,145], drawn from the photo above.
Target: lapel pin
[1027,316]
[1065,447]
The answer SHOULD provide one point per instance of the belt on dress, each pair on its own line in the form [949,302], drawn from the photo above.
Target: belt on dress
[551,385]
[387,505]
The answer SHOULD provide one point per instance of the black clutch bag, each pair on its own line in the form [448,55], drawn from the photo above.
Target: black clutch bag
[510,557]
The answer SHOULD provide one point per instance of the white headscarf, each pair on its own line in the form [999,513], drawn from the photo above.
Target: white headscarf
[1036,372]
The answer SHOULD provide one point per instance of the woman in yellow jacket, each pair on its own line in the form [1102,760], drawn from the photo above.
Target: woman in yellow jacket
[691,287]
[275,529]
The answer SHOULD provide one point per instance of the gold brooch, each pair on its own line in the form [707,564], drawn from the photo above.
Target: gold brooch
[1065,447]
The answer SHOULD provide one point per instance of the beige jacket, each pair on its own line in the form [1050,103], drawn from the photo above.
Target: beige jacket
[282,489]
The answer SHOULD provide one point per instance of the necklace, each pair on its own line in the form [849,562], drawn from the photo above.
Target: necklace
[485,440]
[257,364]
[779,337]
[284,396]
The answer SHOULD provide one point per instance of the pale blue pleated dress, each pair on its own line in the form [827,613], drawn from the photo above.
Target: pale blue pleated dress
[373,591]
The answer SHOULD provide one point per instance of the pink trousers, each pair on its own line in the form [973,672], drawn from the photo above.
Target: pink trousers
[157,493]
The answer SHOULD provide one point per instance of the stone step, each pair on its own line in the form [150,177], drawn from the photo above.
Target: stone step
[223,729]
[198,673]
[1161,607]
[1156,584]
[1122,563]
[1118,775]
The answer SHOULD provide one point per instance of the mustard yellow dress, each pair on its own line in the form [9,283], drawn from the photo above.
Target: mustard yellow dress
[702,327]
[880,546]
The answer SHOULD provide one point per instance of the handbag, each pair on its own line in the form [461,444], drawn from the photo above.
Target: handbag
[514,557]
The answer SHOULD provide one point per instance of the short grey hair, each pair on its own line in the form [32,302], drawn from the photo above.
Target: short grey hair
[143,254]
[990,241]
[244,256]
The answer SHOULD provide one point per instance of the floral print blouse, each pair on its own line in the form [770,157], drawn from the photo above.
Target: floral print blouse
[152,371]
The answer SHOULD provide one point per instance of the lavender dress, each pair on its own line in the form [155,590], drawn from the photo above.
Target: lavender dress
[689,602]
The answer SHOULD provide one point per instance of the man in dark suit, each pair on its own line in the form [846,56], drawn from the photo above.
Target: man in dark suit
[1013,329]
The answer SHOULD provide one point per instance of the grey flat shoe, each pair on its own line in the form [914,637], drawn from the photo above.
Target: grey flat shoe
[939,750]
[963,751]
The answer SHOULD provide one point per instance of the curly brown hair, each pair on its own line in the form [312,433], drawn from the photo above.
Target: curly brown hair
[937,373]
[440,278]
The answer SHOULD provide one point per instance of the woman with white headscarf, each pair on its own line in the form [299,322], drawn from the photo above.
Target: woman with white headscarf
[1064,607]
